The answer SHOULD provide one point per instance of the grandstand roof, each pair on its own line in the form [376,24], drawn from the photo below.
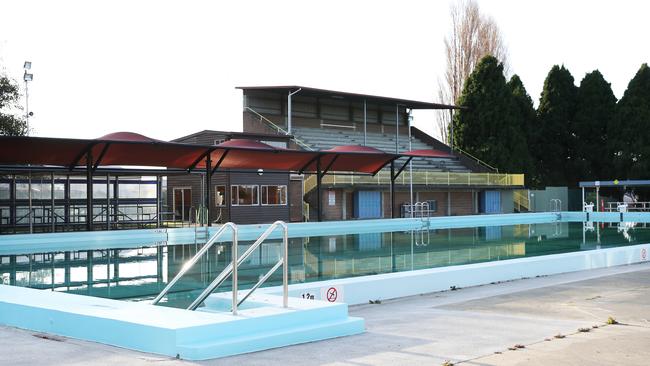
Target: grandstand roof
[307,91]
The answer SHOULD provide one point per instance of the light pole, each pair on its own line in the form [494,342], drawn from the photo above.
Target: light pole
[27,77]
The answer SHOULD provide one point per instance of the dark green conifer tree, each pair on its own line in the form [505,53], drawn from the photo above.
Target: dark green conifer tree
[595,108]
[629,132]
[554,151]
[488,126]
[526,115]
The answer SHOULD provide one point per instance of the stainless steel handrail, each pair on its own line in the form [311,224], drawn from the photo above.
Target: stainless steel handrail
[280,129]
[555,205]
[233,266]
[198,255]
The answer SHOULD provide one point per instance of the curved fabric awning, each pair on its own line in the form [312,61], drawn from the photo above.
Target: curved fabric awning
[352,158]
[250,154]
[131,149]
[40,150]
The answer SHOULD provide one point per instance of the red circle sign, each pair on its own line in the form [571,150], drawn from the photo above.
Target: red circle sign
[644,254]
[332,294]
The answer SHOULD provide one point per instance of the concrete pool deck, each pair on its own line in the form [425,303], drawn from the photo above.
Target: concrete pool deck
[466,326]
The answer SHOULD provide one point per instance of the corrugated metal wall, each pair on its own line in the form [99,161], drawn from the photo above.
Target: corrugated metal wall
[367,204]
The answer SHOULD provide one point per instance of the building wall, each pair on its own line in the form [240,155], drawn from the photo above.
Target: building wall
[313,111]
[462,203]
[237,214]
[440,197]
[332,212]
[400,198]
[507,202]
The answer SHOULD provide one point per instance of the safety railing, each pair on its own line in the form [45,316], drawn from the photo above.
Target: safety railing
[478,161]
[231,269]
[521,200]
[279,129]
[421,178]
[199,254]
[631,206]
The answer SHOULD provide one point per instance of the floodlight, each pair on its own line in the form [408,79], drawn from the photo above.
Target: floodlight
[27,65]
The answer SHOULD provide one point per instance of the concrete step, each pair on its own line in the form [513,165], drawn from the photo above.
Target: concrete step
[263,323]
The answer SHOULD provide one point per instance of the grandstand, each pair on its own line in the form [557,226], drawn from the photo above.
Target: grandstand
[318,119]
[320,139]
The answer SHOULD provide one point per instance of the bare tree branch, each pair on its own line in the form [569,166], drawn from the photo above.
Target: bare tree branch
[472,37]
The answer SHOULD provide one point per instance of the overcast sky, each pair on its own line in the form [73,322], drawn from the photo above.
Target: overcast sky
[168,69]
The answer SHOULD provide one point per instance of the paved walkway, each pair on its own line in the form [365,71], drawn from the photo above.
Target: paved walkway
[472,326]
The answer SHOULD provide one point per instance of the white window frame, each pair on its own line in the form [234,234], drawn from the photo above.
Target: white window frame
[286,194]
[237,195]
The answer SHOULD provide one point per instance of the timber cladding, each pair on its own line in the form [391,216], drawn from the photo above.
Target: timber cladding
[240,214]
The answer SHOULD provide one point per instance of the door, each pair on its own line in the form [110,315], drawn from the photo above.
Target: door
[295,200]
[367,204]
[182,203]
[491,202]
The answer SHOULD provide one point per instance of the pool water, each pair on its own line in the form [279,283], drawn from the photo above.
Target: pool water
[140,273]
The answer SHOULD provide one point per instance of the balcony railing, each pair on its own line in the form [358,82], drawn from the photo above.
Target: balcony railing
[426,178]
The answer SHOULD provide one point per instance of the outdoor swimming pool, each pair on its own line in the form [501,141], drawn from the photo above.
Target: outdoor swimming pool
[138,268]
[331,265]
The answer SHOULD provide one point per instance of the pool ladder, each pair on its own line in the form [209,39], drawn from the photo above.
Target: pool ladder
[422,210]
[233,267]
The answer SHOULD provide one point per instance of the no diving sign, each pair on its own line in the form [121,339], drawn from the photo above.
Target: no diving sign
[644,254]
[331,293]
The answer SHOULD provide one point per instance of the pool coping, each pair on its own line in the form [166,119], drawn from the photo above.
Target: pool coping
[363,289]
[67,241]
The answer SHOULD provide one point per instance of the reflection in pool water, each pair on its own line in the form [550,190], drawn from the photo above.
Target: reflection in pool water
[140,273]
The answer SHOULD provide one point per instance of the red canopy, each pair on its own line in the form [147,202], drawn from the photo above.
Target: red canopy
[352,158]
[131,149]
[250,154]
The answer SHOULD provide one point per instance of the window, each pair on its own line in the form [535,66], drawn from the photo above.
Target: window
[99,190]
[274,195]
[219,195]
[59,191]
[77,190]
[244,195]
[22,191]
[5,191]
[134,188]
[433,205]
